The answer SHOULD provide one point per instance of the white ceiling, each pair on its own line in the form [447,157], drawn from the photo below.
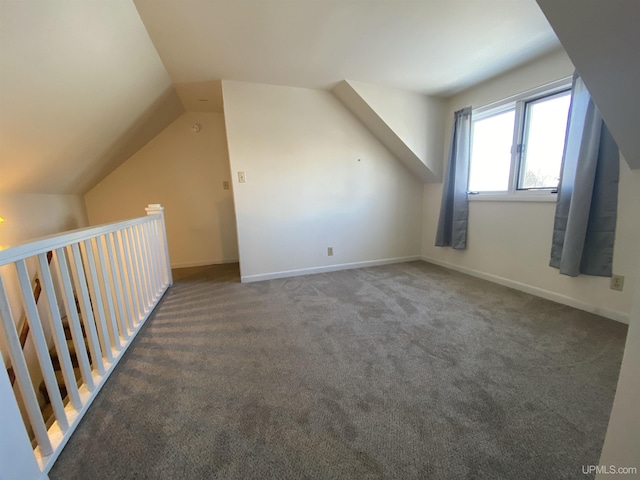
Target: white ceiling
[84,84]
[434,47]
[79,80]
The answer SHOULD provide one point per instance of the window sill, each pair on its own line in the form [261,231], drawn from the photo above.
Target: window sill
[545,197]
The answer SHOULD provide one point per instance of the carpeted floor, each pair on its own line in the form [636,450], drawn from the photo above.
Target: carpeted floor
[407,371]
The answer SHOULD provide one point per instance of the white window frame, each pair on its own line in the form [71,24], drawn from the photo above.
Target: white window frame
[517,103]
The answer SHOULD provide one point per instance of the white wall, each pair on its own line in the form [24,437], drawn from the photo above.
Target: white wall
[82,82]
[409,124]
[30,216]
[184,172]
[27,217]
[510,241]
[622,443]
[415,118]
[316,177]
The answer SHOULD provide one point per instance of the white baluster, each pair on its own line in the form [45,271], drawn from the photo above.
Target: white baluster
[57,328]
[143,263]
[22,374]
[74,320]
[98,304]
[108,292]
[124,283]
[118,284]
[79,278]
[153,262]
[40,343]
[153,283]
[128,267]
[161,248]
[135,272]
[119,273]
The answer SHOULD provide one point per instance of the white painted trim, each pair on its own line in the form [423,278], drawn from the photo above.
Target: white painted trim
[46,244]
[546,89]
[326,268]
[46,463]
[546,196]
[203,263]
[537,291]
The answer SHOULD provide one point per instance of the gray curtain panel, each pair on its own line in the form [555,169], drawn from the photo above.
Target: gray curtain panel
[454,209]
[586,210]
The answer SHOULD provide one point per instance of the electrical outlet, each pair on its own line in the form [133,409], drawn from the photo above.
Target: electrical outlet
[241,177]
[617,282]
[330,251]
[225,185]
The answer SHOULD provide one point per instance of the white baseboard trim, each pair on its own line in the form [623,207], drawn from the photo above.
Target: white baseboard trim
[326,268]
[537,291]
[202,263]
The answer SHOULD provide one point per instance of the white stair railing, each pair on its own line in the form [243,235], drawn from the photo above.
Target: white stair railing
[101,286]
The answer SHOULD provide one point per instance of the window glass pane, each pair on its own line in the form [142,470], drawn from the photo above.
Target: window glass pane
[546,122]
[491,153]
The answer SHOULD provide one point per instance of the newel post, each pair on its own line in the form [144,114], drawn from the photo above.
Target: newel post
[157,209]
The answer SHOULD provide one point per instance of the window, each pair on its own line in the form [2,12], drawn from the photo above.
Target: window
[492,138]
[517,145]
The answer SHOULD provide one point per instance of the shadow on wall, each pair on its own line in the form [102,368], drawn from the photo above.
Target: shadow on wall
[70,223]
[201,96]
[18,231]
[150,123]
[227,229]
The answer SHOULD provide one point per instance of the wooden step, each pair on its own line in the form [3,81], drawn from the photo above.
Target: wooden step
[67,327]
[55,360]
[45,403]
[70,345]
[61,385]
[42,400]
[42,393]
[47,415]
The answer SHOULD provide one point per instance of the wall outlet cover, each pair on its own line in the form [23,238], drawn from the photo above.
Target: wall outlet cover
[617,282]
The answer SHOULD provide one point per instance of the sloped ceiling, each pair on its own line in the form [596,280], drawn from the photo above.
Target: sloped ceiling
[603,41]
[201,96]
[84,84]
[409,124]
[81,89]
[427,46]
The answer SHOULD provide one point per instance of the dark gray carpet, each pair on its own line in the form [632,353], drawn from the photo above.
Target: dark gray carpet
[402,372]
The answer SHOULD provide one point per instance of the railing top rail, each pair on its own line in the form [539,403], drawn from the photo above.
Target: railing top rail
[51,242]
